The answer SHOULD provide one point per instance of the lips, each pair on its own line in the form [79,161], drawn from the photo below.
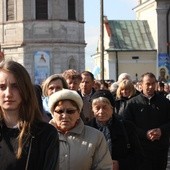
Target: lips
[64,122]
[8,101]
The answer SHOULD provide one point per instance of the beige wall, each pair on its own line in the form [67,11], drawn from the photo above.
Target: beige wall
[63,39]
[155,11]
[145,63]
[147,11]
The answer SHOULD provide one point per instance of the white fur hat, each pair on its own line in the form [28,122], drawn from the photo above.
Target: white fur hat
[65,94]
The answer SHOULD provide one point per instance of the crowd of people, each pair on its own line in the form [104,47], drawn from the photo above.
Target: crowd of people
[72,121]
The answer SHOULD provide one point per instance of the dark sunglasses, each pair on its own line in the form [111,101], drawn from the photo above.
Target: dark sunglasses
[68,111]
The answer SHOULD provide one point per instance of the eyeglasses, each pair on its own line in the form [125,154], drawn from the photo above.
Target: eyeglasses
[67,111]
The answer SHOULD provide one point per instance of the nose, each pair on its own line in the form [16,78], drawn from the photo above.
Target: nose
[72,86]
[100,110]
[64,114]
[8,91]
[150,86]
[54,90]
[83,83]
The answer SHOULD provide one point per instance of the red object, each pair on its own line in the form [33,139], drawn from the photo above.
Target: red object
[1,54]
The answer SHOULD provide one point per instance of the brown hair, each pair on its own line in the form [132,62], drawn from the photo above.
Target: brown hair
[88,73]
[151,75]
[71,74]
[29,110]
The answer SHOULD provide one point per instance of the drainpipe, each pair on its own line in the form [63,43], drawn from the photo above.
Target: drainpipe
[101,41]
[117,69]
[167,27]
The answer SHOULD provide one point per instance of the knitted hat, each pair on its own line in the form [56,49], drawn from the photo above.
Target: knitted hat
[65,94]
[104,93]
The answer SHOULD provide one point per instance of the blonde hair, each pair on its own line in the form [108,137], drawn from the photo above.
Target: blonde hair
[51,78]
[125,84]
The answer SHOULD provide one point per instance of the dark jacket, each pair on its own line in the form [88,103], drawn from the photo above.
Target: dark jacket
[41,148]
[120,105]
[125,144]
[147,114]
[83,117]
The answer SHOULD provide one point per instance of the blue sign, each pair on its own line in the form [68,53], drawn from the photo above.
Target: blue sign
[41,66]
[164,67]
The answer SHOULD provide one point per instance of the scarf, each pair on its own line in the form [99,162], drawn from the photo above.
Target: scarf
[104,128]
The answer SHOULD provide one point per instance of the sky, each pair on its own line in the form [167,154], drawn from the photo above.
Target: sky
[114,10]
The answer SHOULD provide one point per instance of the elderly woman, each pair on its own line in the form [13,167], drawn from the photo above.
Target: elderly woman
[81,147]
[120,135]
[52,84]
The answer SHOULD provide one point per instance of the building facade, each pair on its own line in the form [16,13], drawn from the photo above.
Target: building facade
[135,62]
[129,48]
[46,36]
[157,13]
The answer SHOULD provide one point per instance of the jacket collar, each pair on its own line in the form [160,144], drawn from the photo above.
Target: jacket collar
[148,97]
[77,130]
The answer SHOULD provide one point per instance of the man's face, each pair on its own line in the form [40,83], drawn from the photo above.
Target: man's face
[148,85]
[86,84]
[73,84]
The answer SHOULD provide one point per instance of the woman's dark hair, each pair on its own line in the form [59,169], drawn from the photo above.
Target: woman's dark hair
[29,109]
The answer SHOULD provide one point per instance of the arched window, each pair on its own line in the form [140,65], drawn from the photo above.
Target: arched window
[71,10]
[41,9]
[72,64]
[9,10]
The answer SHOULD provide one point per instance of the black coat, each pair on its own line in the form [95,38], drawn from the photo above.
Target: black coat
[123,135]
[120,105]
[147,114]
[41,148]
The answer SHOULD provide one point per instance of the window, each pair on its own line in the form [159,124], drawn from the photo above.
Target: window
[71,10]
[41,9]
[9,10]
[72,64]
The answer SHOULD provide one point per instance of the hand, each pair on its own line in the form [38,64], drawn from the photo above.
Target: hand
[115,165]
[154,134]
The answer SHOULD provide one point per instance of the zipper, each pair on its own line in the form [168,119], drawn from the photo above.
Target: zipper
[29,153]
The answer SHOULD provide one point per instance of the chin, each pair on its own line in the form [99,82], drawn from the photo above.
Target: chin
[102,120]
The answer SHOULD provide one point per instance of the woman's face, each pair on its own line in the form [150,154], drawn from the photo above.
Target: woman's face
[102,111]
[10,98]
[65,115]
[54,86]
[125,92]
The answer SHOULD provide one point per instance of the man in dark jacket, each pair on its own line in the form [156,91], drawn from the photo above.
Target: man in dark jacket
[150,112]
